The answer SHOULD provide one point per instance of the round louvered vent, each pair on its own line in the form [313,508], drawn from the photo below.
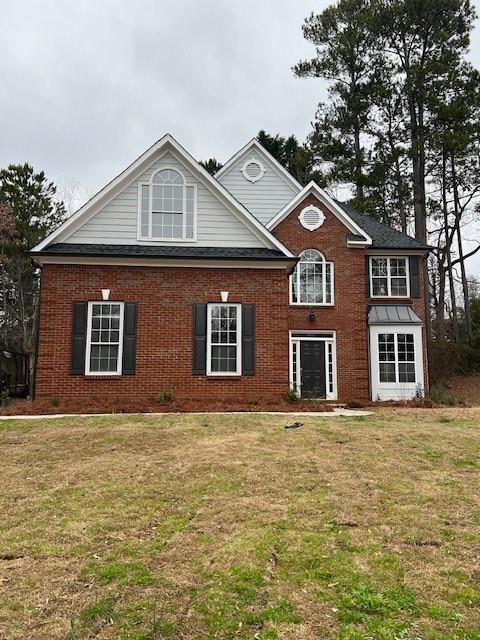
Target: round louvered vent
[253,170]
[311,218]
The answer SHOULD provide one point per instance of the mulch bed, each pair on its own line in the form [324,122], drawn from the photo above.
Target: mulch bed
[98,405]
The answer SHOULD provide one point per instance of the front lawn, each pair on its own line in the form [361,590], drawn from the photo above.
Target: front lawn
[215,527]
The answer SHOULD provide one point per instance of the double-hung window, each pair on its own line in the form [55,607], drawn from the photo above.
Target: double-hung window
[396,354]
[167,207]
[224,332]
[104,338]
[312,280]
[389,277]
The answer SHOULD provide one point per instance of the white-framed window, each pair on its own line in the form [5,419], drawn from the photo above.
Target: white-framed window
[396,353]
[311,282]
[104,338]
[389,277]
[167,207]
[224,343]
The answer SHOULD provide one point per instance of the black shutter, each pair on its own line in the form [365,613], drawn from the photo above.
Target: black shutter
[367,276]
[414,269]
[129,338]
[248,339]
[199,364]
[79,338]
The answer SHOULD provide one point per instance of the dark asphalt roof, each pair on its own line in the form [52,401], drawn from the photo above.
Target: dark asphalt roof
[383,236]
[144,251]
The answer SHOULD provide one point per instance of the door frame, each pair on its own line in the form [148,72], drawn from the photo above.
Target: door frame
[295,338]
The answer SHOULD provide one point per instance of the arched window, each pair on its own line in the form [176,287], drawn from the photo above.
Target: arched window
[312,279]
[167,207]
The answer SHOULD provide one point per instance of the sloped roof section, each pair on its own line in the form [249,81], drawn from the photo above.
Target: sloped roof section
[159,251]
[383,236]
[384,314]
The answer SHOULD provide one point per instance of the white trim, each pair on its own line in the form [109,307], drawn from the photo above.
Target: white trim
[245,173]
[305,211]
[88,345]
[389,277]
[209,371]
[395,390]
[329,337]
[134,170]
[332,283]
[255,144]
[162,262]
[322,196]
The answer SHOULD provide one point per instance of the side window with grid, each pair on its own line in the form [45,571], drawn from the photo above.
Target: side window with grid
[104,338]
[396,354]
[224,339]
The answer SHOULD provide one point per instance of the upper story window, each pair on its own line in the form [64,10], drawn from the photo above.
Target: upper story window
[312,279]
[389,277]
[167,207]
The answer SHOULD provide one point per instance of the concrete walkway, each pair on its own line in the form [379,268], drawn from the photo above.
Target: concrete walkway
[316,414]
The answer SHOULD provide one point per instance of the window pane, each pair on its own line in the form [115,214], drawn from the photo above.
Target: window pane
[379,286]
[387,372]
[379,267]
[398,266]
[399,287]
[406,372]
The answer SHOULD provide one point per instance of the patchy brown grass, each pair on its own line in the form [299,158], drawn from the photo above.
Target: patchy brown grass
[203,527]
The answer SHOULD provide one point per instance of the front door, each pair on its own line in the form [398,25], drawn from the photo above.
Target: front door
[312,369]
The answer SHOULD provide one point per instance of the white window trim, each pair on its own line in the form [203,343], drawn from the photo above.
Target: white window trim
[395,390]
[238,372]
[88,346]
[325,336]
[313,304]
[149,184]
[389,276]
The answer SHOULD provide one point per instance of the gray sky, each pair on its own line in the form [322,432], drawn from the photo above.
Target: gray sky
[88,86]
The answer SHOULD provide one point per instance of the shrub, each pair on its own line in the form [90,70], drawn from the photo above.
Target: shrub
[291,396]
[165,396]
[55,401]
[354,404]
[5,398]
[437,394]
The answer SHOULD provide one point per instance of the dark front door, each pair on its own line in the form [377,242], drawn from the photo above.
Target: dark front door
[312,369]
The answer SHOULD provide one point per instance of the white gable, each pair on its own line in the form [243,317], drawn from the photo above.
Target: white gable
[258,181]
[117,222]
[111,216]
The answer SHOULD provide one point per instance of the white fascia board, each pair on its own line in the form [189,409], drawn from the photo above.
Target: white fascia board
[112,189]
[323,196]
[162,262]
[255,144]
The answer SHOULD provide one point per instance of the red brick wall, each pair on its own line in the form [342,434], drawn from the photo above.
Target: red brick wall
[164,333]
[164,337]
[348,316]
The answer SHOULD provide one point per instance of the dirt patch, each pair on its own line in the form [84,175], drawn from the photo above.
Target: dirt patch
[466,387]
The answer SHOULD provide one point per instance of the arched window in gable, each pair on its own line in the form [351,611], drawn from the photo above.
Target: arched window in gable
[312,279]
[167,207]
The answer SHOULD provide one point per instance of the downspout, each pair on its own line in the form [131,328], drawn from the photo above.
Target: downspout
[37,336]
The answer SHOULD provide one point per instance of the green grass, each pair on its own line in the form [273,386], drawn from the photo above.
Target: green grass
[218,528]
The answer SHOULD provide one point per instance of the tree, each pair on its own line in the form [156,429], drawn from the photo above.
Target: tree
[343,41]
[29,211]
[295,157]
[32,199]
[211,165]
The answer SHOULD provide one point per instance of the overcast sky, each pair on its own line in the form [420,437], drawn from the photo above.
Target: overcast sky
[86,87]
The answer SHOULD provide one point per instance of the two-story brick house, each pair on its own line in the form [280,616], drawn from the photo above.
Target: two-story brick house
[234,287]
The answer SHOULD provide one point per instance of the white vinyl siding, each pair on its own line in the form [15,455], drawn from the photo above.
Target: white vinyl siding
[118,221]
[263,198]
